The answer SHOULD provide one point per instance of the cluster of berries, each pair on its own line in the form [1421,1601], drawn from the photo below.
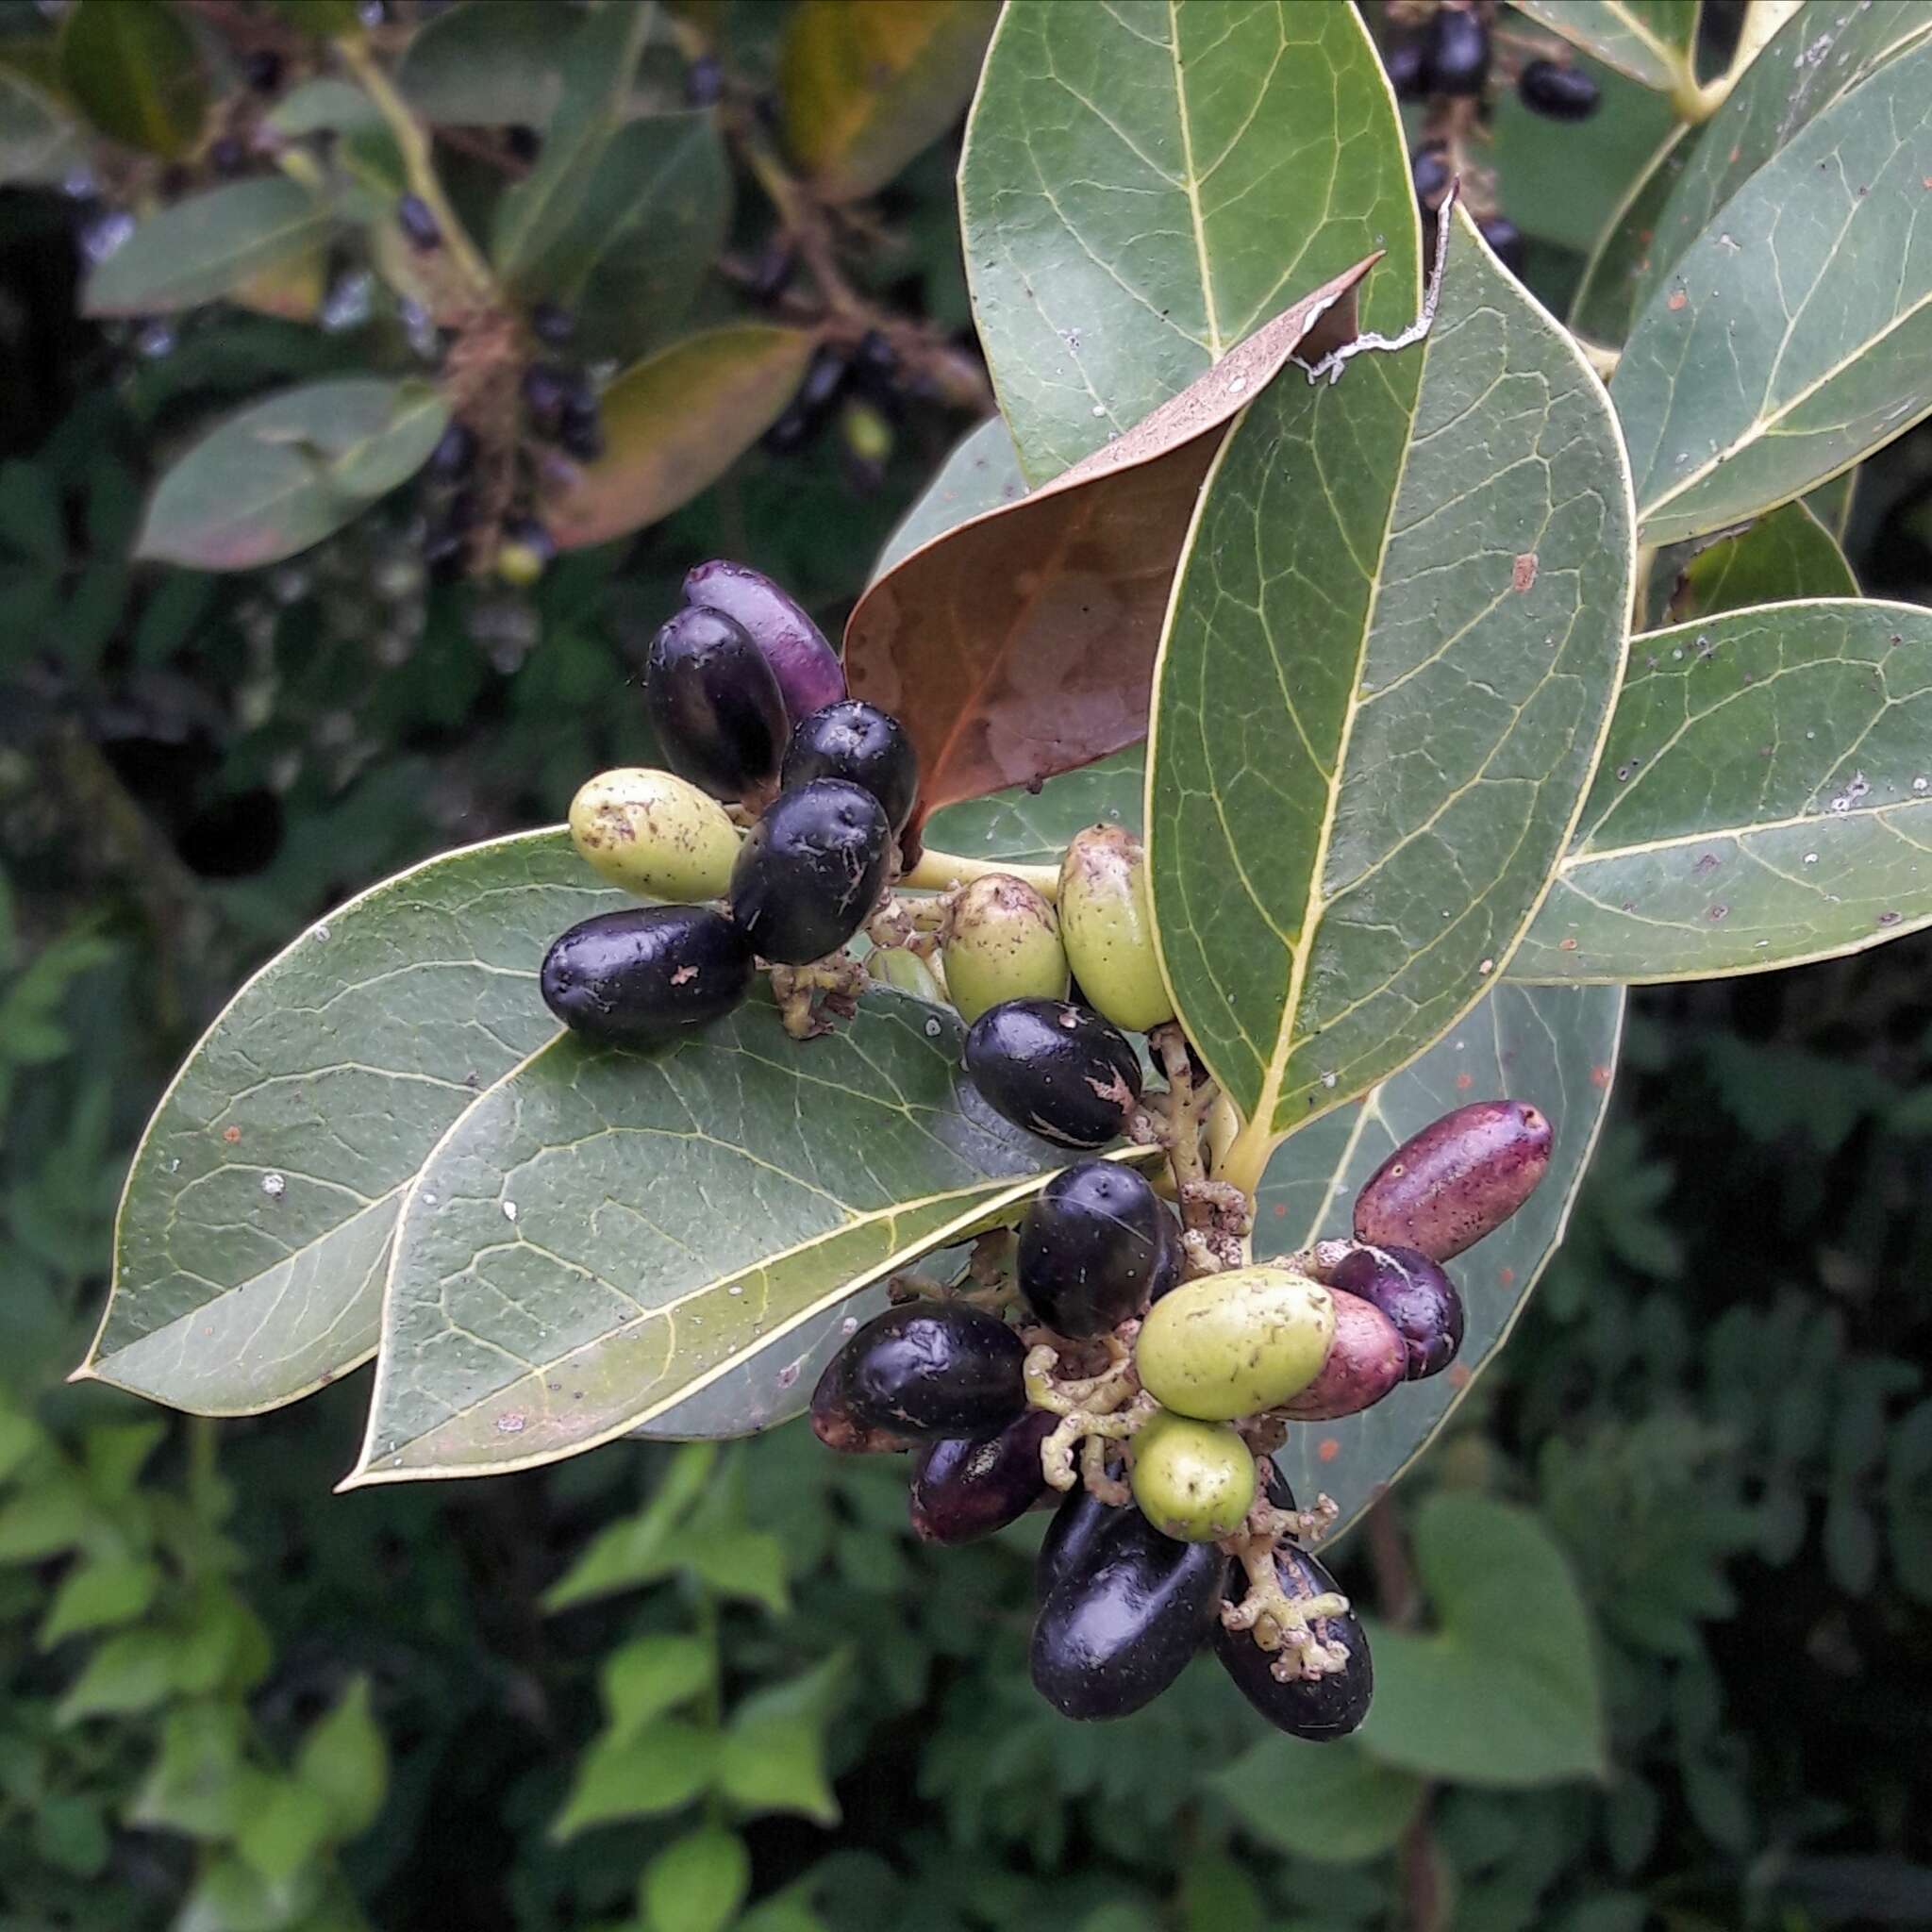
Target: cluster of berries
[749,704]
[1198,1376]
[1449,63]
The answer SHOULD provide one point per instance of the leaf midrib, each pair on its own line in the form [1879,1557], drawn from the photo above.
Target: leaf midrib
[1190,181]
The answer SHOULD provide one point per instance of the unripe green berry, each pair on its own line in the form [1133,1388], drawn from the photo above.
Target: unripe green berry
[1193,1481]
[1229,1345]
[901,967]
[1106,926]
[1003,942]
[655,835]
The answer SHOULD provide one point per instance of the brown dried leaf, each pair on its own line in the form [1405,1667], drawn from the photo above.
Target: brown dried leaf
[1021,643]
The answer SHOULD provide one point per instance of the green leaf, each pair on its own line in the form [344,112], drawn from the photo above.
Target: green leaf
[649,1675]
[1608,298]
[562,1273]
[1651,41]
[136,73]
[364,143]
[487,63]
[1779,559]
[982,472]
[207,246]
[132,1672]
[675,422]
[637,1550]
[42,1519]
[1388,664]
[864,85]
[1819,56]
[1033,827]
[653,216]
[773,1757]
[231,1895]
[345,1760]
[1506,1693]
[1332,1804]
[200,1782]
[39,143]
[98,1593]
[738,1562]
[71,1833]
[1136,196]
[283,475]
[283,1828]
[1775,354]
[599,66]
[659,1769]
[320,16]
[1764,799]
[1555,1046]
[696,1883]
[337,1067]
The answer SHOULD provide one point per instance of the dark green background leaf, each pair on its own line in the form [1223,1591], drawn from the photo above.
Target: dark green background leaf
[1781,557]
[487,63]
[1651,41]
[135,71]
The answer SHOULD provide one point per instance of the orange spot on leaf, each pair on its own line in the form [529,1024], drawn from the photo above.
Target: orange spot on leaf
[1523,571]
[1459,1376]
[1677,300]
[1328,1449]
[1507,1276]
[231,1135]
[1599,1076]
[1281,1210]
[1464,1082]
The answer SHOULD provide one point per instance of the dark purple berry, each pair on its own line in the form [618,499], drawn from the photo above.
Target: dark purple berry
[547,391]
[1407,67]
[837,1428]
[642,976]
[1415,1295]
[1096,1247]
[965,1488]
[1458,52]
[1055,1069]
[810,870]
[263,70]
[1559,91]
[930,1369]
[1433,174]
[704,82]
[454,453]
[552,324]
[525,143]
[418,224]
[1126,1608]
[716,706]
[862,744]
[1456,1180]
[1506,239]
[228,155]
[807,667]
[825,376]
[1317,1709]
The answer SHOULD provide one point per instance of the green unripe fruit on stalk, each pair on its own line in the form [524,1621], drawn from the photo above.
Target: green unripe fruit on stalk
[1229,1345]
[655,834]
[1195,1481]
[1106,926]
[901,967]
[1003,942]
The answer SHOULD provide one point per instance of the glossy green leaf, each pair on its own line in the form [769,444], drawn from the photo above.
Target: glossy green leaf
[39,143]
[696,1883]
[864,85]
[1794,335]
[1330,1803]
[982,472]
[1780,559]
[1765,798]
[1138,193]
[1828,48]
[1390,661]
[365,144]
[1553,1047]
[599,64]
[1651,41]
[99,1593]
[208,246]
[1033,827]
[1461,1703]
[1611,291]
[517,1328]
[773,1757]
[345,1760]
[329,1076]
[649,1675]
[675,423]
[284,473]
[136,73]
[653,216]
[1831,503]
[486,63]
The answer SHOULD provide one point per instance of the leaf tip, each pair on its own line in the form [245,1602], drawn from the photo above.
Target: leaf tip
[84,1371]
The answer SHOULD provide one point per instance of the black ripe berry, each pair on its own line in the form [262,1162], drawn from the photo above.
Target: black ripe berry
[1096,1246]
[417,223]
[1459,54]
[930,1369]
[547,391]
[1125,1609]
[704,82]
[965,1486]
[1433,174]
[1506,237]
[581,432]
[263,70]
[1562,94]
[1318,1708]
[810,872]
[551,323]
[1055,1069]
[1407,67]
[454,453]
[716,706]
[1416,1295]
[637,976]
[833,1422]
[228,155]
[858,743]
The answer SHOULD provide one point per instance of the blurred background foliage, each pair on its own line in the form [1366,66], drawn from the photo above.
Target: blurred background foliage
[1686,1516]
